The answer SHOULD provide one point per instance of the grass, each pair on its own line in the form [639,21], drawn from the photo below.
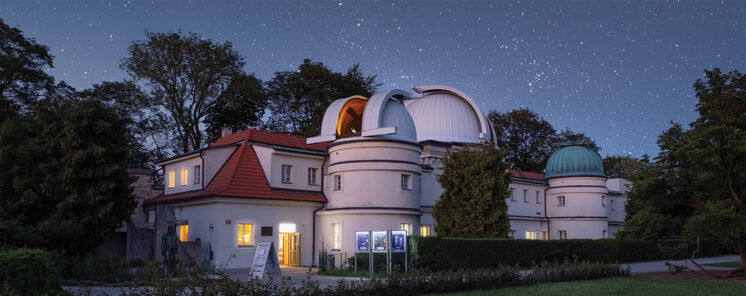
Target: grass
[633,285]
[734,264]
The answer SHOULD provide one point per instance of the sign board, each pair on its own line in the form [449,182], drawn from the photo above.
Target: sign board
[265,262]
[362,242]
[379,241]
[398,241]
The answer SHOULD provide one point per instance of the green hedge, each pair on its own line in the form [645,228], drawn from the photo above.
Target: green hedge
[28,272]
[437,253]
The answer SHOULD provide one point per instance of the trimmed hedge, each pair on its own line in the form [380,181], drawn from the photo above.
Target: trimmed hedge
[437,253]
[28,272]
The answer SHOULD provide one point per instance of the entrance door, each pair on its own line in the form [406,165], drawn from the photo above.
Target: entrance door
[289,250]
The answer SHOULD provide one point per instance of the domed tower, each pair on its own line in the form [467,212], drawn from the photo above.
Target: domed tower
[576,198]
[372,179]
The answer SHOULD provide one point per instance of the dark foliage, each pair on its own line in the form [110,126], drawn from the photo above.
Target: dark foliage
[239,107]
[527,137]
[28,272]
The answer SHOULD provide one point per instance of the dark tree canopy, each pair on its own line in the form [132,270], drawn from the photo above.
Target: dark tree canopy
[64,184]
[22,65]
[527,137]
[298,99]
[186,74]
[239,107]
[475,186]
[568,135]
[621,166]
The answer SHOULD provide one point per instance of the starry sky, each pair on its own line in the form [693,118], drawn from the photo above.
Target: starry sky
[618,71]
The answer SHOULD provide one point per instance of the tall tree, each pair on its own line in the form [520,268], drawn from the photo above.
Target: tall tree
[239,107]
[186,74]
[568,135]
[64,184]
[527,137]
[475,186]
[298,99]
[22,70]
[622,166]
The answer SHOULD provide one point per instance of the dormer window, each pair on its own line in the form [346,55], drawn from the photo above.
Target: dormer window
[197,174]
[285,173]
[184,173]
[171,179]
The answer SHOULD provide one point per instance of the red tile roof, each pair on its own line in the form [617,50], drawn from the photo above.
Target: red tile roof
[517,173]
[242,176]
[271,138]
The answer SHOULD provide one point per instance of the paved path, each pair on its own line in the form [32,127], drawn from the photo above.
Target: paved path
[660,266]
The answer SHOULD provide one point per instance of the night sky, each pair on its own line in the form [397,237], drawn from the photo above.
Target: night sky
[617,71]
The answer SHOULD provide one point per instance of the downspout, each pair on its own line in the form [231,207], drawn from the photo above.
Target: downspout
[313,224]
[202,170]
[549,223]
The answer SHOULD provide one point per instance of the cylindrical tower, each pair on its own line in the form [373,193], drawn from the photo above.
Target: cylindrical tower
[577,191]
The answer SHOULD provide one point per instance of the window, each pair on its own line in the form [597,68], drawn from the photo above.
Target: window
[611,204]
[525,195]
[562,234]
[407,227]
[336,236]
[603,200]
[538,200]
[151,216]
[197,174]
[561,201]
[337,182]
[285,177]
[184,174]
[406,182]
[171,179]
[530,234]
[184,232]
[544,235]
[312,176]
[425,230]
[603,234]
[512,194]
[245,234]
[512,233]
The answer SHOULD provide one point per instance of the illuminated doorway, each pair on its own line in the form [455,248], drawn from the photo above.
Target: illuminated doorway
[289,245]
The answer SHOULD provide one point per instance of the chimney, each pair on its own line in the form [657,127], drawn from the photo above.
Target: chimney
[226,131]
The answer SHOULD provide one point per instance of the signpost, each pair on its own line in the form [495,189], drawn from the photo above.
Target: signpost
[362,245]
[399,245]
[265,261]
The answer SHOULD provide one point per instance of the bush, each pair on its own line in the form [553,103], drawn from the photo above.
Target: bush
[379,262]
[28,272]
[438,253]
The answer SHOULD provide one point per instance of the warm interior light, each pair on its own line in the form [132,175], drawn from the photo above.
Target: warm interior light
[183,233]
[171,179]
[184,173]
[287,227]
[350,120]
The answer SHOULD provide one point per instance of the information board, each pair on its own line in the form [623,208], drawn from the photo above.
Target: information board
[265,262]
[379,241]
[362,242]
[398,241]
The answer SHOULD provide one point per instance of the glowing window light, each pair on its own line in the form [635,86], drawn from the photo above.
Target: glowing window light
[184,232]
[171,179]
[184,173]
[287,227]
[245,234]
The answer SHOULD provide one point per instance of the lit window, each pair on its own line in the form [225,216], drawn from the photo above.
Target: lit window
[603,200]
[425,230]
[525,195]
[285,177]
[337,182]
[530,234]
[197,174]
[561,201]
[562,234]
[407,227]
[312,176]
[336,236]
[184,232]
[245,234]
[538,200]
[544,235]
[406,182]
[183,177]
[611,204]
[171,179]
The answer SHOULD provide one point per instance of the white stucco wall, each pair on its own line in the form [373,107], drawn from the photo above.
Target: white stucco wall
[529,206]
[215,158]
[299,171]
[189,163]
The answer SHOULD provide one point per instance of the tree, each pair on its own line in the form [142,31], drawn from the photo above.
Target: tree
[239,107]
[64,184]
[186,74]
[475,186]
[22,65]
[622,166]
[527,137]
[569,135]
[298,99]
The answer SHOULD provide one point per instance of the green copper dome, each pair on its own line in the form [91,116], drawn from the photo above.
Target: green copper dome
[574,159]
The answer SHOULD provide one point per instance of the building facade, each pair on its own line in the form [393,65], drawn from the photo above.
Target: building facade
[373,167]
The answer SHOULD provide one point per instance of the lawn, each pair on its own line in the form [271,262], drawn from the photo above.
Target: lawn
[633,285]
[733,264]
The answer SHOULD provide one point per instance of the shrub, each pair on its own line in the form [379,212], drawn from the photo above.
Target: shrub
[438,253]
[28,272]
